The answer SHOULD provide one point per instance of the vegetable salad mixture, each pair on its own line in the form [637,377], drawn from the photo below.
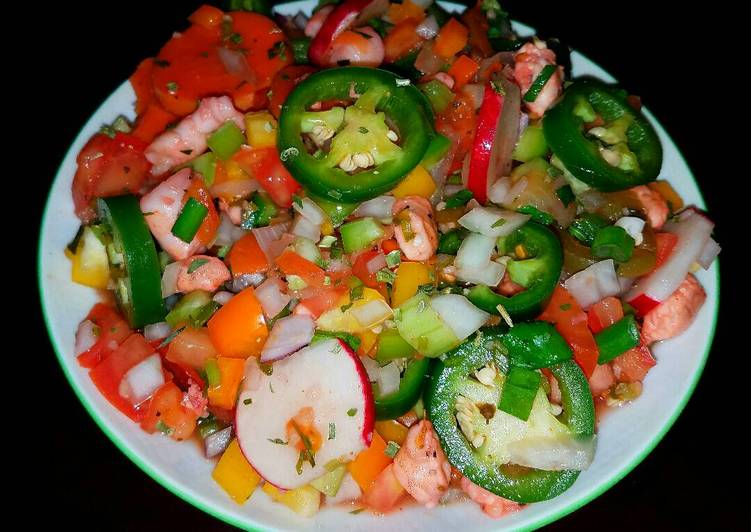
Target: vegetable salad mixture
[379,254]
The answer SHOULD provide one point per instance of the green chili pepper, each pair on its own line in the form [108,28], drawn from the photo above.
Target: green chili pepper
[384,96]
[543,271]
[580,152]
[519,392]
[459,199]
[441,393]
[539,83]
[437,150]
[438,94]
[410,389]
[449,243]
[585,227]
[531,145]
[541,217]
[613,242]
[260,212]
[190,219]
[300,50]
[137,274]
[536,345]
[617,338]
[226,140]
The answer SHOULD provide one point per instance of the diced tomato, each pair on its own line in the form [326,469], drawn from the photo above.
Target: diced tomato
[389,245]
[283,83]
[604,313]
[109,373]
[207,16]
[360,269]
[571,321]
[291,263]
[385,492]
[191,348]
[266,167]
[633,365]
[200,193]
[167,413]
[113,329]
[324,299]
[665,243]
[108,167]
[152,122]
[401,40]
[140,80]
[457,122]
[182,375]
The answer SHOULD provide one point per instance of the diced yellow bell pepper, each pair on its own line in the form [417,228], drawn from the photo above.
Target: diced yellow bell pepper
[234,171]
[235,475]
[327,228]
[336,320]
[90,263]
[409,277]
[260,129]
[392,430]
[368,341]
[304,501]
[418,182]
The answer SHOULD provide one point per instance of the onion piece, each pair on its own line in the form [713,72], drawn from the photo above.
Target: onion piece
[709,253]
[371,313]
[374,9]
[310,210]
[516,190]
[306,229]
[459,314]
[228,233]
[490,275]
[371,367]
[235,188]
[379,207]
[388,379]
[215,444]
[288,335]
[241,282]
[169,279]
[633,226]
[236,64]
[554,453]
[428,28]
[377,263]
[499,190]
[272,297]
[86,336]
[474,252]
[427,61]
[267,236]
[475,92]
[223,297]
[157,331]
[507,131]
[594,283]
[142,380]
[492,222]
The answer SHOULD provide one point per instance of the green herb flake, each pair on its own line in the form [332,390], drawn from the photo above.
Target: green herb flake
[391,449]
[247,401]
[385,276]
[394,258]
[222,252]
[277,441]
[355,512]
[297,200]
[172,87]
[171,337]
[362,130]
[196,264]
[332,431]
[356,292]
[565,307]
[351,412]
[498,223]
[459,199]
[162,427]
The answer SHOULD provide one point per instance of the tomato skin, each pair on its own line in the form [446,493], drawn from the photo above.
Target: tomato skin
[633,365]
[108,167]
[266,167]
[604,313]
[360,269]
[108,374]
[112,328]
[571,321]
[324,299]
[457,122]
[284,81]
[166,406]
[191,348]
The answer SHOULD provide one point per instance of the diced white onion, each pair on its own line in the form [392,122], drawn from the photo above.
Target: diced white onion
[489,275]
[499,190]
[307,249]
[288,335]
[428,28]
[143,379]
[241,282]
[709,253]
[379,208]
[553,453]
[272,297]
[309,209]
[487,221]
[388,379]
[86,336]
[377,263]
[169,279]
[217,443]
[474,252]
[594,283]
[633,226]
[157,331]
[459,314]
[516,190]
[371,313]
[227,233]
[223,297]
[306,229]
[268,236]
[371,367]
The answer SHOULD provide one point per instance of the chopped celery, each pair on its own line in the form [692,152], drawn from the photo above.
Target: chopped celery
[423,328]
[329,483]
[226,140]
[190,303]
[392,346]
[531,144]
[360,234]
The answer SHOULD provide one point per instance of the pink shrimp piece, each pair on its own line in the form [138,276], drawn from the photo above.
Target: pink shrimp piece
[234,212]
[188,139]
[161,207]
[421,467]
[493,505]
[316,21]
[209,276]
[420,215]
[673,316]
[654,205]
[195,400]
[530,60]
[361,47]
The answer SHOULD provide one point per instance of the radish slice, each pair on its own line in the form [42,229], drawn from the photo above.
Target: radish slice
[327,377]
[86,336]
[338,21]
[143,379]
[215,444]
[694,231]
[709,253]
[594,283]
[459,314]
[388,379]
[492,222]
[272,297]
[287,336]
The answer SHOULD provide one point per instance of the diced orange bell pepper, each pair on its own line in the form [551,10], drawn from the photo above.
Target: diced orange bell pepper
[407,10]
[293,264]
[451,38]
[238,329]
[152,122]
[247,257]
[402,39]
[462,70]
[369,463]
[224,395]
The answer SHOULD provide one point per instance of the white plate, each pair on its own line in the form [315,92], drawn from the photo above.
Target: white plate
[626,435]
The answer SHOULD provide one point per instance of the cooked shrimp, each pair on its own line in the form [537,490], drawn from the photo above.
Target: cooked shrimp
[195,400]
[421,467]
[424,238]
[208,275]
[161,208]
[530,60]
[361,47]
[673,316]
[188,139]
[316,21]
[654,205]
[493,505]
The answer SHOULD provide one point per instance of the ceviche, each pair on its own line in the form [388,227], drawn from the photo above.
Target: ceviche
[379,254]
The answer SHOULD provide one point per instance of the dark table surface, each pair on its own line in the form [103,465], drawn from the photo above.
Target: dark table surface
[670,61]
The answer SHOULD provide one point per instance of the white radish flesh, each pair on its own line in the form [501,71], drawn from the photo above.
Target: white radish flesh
[288,336]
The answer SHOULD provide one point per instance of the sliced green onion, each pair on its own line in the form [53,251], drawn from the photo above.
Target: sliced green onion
[190,219]
[391,449]
[226,140]
[617,339]
[613,242]
[519,392]
[189,304]
[394,259]
[459,199]
[586,226]
[539,83]
[537,215]
[350,339]
[197,263]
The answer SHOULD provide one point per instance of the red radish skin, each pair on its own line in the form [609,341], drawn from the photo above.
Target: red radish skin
[338,21]
[298,383]
[492,107]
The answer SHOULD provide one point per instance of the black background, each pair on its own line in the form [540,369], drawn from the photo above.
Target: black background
[687,74]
